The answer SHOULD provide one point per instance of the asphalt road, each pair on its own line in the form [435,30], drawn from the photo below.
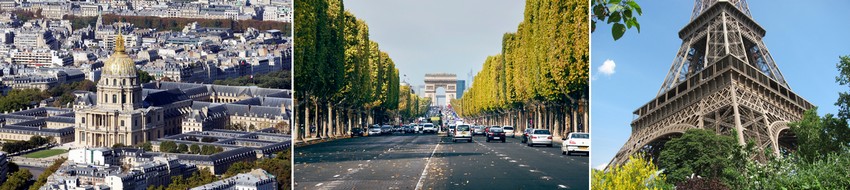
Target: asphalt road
[435,162]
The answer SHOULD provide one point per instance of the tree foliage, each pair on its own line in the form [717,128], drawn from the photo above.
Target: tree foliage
[144,76]
[168,146]
[146,146]
[278,165]
[638,173]
[277,79]
[545,60]
[341,73]
[25,15]
[201,177]
[17,180]
[64,93]
[700,152]
[19,99]
[42,179]
[620,13]
[17,146]
[177,24]
[817,137]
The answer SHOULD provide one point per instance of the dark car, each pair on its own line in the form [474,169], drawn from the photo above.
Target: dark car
[478,130]
[495,133]
[357,132]
[386,129]
[525,134]
[409,129]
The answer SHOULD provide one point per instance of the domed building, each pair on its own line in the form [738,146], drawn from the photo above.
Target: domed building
[118,116]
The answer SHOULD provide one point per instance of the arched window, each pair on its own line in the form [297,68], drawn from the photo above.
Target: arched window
[123,81]
[114,82]
[114,98]
[123,98]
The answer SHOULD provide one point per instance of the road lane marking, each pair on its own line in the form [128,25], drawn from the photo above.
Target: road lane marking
[320,184]
[425,171]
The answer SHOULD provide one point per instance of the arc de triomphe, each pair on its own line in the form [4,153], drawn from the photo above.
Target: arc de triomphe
[435,80]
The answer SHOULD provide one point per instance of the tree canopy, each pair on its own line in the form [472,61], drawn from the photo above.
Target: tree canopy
[545,60]
[339,69]
[702,153]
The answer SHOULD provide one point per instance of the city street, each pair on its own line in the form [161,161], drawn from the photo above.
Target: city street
[428,161]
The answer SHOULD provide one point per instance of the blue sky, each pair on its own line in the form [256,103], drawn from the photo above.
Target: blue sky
[805,39]
[442,36]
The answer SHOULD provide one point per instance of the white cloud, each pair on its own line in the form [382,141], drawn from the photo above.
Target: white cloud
[608,67]
[601,167]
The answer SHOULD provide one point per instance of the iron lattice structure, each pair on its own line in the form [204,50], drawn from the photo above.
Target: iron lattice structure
[722,79]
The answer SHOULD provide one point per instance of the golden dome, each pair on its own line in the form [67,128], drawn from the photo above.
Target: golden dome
[119,64]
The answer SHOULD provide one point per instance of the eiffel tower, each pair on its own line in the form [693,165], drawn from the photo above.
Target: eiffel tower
[722,79]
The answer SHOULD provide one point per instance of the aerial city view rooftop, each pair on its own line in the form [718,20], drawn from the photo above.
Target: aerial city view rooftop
[146,94]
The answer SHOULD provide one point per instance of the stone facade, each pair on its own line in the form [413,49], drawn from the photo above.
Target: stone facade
[118,116]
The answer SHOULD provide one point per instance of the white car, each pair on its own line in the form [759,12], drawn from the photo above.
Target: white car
[428,128]
[462,132]
[509,131]
[374,131]
[540,137]
[576,142]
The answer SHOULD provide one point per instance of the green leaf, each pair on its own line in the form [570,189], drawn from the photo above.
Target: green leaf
[627,14]
[599,11]
[637,25]
[618,30]
[635,6]
[615,8]
[615,17]
[614,1]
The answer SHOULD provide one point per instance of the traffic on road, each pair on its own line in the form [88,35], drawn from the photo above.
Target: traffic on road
[457,156]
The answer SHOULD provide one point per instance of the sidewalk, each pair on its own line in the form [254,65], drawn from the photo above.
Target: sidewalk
[314,140]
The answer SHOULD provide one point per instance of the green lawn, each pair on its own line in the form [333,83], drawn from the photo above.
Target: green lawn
[45,153]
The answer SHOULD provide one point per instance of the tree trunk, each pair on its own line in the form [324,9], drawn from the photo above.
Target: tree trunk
[318,120]
[306,120]
[557,119]
[296,120]
[328,127]
[537,117]
[574,120]
[585,124]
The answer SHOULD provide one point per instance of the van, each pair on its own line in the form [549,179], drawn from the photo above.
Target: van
[462,132]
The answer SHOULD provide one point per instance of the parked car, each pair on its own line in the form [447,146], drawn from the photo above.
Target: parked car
[478,130]
[417,128]
[357,132]
[429,128]
[375,130]
[540,137]
[525,134]
[495,133]
[576,142]
[509,131]
[386,129]
[451,130]
[462,132]
[409,129]
[397,129]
